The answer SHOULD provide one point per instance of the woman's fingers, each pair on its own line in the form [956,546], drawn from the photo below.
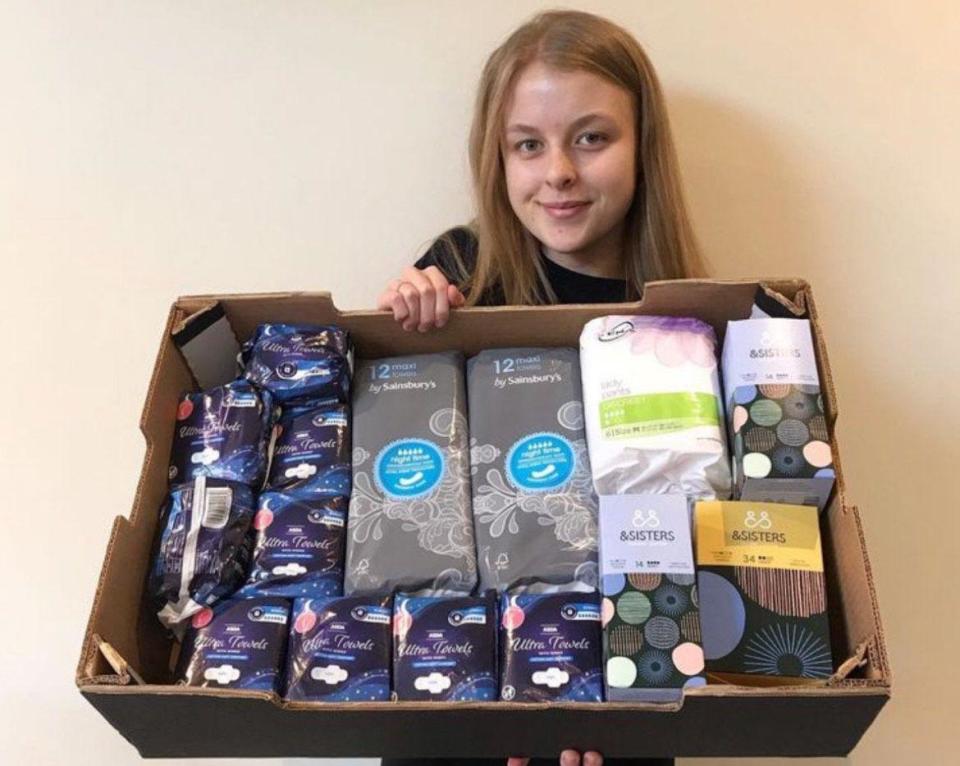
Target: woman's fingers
[386,299]
[420,299]
[426,297]
[517,761]
[569,758]
[592,758]
[455,297]
[441,309]
[411,298]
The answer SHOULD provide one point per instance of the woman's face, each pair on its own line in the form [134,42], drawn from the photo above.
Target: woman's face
[570,156]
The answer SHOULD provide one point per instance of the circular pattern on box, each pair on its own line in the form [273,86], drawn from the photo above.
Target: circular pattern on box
[671,600]
[607,610]
[799,405]
[820,403]
[740,417]
[788,461]
[776,390]
[625,640]
[724,622]
[570,415]
[633,607]
[621,672]
[765,412]
[688,658]
[760,439]
[818,428]
[654,667]
[744,394]
[682,579]
[695,682]
[818,454]
[793,433]
[756,465]
[643,580]
[613,584]
[661,632]
[690,627]
[785,649]
[695,596]
[806,388]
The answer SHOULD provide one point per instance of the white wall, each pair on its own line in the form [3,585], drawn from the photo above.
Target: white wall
[155,149]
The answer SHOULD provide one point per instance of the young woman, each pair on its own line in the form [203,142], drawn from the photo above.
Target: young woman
[576,187]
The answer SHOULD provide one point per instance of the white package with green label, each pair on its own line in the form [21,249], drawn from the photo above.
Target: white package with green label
[652,406]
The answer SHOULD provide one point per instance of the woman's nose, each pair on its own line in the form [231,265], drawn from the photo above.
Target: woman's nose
[561,172]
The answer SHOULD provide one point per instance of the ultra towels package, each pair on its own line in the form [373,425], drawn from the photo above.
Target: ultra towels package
[204,547]
[652,403]
[311,451]
[303,364]
[550,648]
[221,433]
[781,447]
[238,644]
[763,606]
[445,649]
[299,546]
[651,623]
[533,501]
[339,650]
[409,525]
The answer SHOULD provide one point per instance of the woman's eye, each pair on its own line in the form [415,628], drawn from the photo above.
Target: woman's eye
[592,139]
[527,145]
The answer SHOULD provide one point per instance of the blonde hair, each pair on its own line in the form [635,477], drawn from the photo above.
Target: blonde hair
[659,239]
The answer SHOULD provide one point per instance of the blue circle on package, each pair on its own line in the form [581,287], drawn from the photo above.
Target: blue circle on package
[540,462]
[409,468]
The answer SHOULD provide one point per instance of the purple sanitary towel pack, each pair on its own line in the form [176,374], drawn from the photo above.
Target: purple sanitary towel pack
[299,546]
[222,433]
[339,650]
[203,549]
[445,649]
[550,648]
[311,451]
[237,644]
[300,364]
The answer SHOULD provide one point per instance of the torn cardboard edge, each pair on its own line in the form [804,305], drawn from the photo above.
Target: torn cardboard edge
[124,673]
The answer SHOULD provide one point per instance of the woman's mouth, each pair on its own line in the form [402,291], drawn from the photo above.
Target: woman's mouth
[565,210]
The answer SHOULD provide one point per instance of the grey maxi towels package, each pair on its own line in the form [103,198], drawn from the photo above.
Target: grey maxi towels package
[534,507]
[409,525]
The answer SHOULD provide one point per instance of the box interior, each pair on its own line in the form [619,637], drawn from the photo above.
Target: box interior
[121,616]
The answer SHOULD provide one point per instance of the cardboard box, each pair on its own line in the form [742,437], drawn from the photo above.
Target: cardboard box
[126,645]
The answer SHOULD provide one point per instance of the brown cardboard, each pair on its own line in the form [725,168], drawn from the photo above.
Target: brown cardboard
[718,720]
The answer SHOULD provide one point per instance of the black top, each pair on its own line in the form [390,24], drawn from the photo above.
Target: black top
[570,286]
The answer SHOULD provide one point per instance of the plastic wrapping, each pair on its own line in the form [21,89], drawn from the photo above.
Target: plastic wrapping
[203,549]
[533,501]
[222,433]
[653,407]
[304,364]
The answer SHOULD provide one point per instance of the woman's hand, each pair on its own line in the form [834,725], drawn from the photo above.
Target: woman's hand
[420,299]
[567,758]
